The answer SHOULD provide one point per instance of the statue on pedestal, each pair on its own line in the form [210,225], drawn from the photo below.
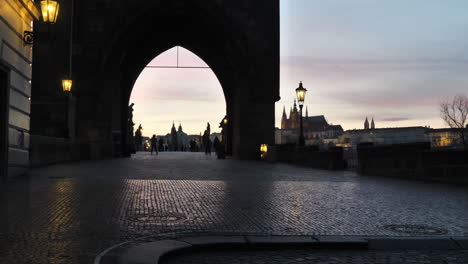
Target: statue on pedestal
[130,129]
[139,138]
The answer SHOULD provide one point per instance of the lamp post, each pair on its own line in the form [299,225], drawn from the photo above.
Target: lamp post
[301,93]
[67,82]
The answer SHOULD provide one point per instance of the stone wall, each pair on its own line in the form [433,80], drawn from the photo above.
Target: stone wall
[16,16]
[414,161]
[53,150]
[310,156]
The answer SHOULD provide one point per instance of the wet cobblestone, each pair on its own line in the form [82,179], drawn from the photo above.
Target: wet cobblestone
[321,257]
[69,213]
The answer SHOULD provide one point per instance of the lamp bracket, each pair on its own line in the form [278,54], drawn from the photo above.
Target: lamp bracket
[29,37]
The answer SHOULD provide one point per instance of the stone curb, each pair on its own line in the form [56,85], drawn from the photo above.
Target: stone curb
[153,252]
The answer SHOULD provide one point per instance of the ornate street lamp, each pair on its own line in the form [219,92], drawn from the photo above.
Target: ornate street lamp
[49,11]
[301,93]
[67,85]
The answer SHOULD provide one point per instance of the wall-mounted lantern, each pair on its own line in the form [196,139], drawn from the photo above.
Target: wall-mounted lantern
[49,10]
[67,85]
[263,150]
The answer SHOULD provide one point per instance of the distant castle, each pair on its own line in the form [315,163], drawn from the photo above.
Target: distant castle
[310,123]
[316,128]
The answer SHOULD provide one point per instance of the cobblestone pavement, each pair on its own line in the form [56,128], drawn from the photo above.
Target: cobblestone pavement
[322,257]
[69,213]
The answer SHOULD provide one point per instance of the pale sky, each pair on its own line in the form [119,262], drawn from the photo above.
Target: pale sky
[391,60]
[190,96]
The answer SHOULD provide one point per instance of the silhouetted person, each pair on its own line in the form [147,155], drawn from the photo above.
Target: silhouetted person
[154,144]
[216,143]
[220,149]
[161,144]
[208,147]
[139,138]
[193,145]
[206,140]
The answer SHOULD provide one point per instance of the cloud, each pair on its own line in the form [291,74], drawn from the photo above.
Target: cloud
[394,119]
[193,95]
[370,65]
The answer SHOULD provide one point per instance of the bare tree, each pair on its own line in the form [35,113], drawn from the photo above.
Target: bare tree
[455,115]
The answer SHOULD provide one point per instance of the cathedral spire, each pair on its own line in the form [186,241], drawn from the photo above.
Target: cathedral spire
[366,124]
[180,127]
[284,118]
[372,124]
[307,112]
[295,106]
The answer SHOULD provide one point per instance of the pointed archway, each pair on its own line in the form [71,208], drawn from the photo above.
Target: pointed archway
[178,86]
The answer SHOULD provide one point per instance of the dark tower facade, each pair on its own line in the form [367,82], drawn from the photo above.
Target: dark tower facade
[238,39]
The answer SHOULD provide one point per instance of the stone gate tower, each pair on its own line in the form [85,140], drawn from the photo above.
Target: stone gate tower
[113,40]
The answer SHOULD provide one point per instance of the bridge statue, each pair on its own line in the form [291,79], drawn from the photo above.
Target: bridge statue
[130,128]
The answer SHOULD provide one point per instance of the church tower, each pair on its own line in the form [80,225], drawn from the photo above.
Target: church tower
[366,124]
[372,124]
[180,127]
[307,112]
[295,106]
[174,140]
[284,119]
[294,117]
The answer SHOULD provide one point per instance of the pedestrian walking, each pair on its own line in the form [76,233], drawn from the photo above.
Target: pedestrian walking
[154,145]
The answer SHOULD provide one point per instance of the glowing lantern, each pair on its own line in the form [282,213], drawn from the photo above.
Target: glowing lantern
[301,93]
[67,85]
[49,11]
[263,150]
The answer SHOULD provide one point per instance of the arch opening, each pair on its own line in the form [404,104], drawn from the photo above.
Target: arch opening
[178,88]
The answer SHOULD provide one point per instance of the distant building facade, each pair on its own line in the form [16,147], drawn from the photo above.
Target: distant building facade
[317,130]
[439,138]
[178,140]
[216,135]
[383,136]
[446,138]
